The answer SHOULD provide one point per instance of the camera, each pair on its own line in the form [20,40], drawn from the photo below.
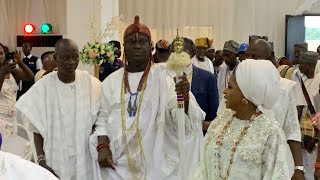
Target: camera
[10,56]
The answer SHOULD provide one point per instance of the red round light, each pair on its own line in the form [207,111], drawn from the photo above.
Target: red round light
[29,28]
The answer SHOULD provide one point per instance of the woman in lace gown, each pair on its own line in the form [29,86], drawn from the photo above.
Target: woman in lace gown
[9,75]
[244,143]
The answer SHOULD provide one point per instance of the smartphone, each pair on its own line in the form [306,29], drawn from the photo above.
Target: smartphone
[10,56]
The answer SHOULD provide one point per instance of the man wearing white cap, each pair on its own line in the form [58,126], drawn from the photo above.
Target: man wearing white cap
[211,52]
[298,49]
[310,81]
[230,51]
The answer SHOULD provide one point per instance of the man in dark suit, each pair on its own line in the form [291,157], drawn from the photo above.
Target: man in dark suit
[203,87]
[106,68]
[33,62]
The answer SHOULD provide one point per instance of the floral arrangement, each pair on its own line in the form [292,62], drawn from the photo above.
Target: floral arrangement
[95,52]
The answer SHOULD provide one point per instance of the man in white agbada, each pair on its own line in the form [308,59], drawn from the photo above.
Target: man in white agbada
[284,110]
[61,109]
[230,51]
[200,60]
[311,80]
[242,142]
[137,125]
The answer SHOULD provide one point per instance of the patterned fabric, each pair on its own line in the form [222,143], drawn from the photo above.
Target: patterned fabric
[232,46]
[203,42]
[260,155]
[7,109]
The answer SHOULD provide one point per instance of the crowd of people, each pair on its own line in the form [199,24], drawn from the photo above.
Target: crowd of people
[243,111]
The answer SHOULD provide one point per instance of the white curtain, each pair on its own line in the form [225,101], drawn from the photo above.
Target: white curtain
[55,12]
[13,14]
[221,20]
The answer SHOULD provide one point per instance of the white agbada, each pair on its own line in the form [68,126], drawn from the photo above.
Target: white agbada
[261,154]
[13,167]
[64,115]
[158,126]
[312,86]
[205,65]
[223,79]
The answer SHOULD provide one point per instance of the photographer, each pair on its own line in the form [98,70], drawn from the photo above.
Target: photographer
[9,75]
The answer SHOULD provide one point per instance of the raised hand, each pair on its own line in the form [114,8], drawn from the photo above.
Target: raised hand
[7,68]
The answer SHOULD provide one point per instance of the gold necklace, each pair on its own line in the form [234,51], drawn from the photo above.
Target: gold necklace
[234,148]
[133,167]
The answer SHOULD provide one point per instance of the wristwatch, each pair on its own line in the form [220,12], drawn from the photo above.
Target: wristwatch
[301,168]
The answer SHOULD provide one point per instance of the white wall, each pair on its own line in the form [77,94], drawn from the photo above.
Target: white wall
[315,10]
[79,14]
[109,9]
[37,16]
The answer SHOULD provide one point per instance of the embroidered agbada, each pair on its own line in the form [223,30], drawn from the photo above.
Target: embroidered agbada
[14,167]
[223,79]
[157,124]
[64,115]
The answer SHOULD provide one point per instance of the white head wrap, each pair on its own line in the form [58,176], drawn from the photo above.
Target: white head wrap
[259,82]
[317,70]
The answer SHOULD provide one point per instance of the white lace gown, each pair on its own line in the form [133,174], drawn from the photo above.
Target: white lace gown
[8,94]
[261,154]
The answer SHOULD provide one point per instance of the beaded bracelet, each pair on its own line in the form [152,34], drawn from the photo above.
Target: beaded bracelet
[102,145]
[317,165]
[41,158]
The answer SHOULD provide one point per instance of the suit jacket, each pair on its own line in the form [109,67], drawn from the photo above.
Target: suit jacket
[204,88]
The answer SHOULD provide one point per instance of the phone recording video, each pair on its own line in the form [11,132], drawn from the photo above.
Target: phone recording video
[10,57]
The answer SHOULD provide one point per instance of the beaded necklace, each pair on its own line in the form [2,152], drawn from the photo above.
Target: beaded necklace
[133,167]
[132,107]
[234,148]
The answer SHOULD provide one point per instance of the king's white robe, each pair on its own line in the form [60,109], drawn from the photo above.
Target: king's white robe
[64,115]
[158,125]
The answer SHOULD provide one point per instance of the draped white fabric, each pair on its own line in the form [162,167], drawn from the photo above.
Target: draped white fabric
[220,20]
